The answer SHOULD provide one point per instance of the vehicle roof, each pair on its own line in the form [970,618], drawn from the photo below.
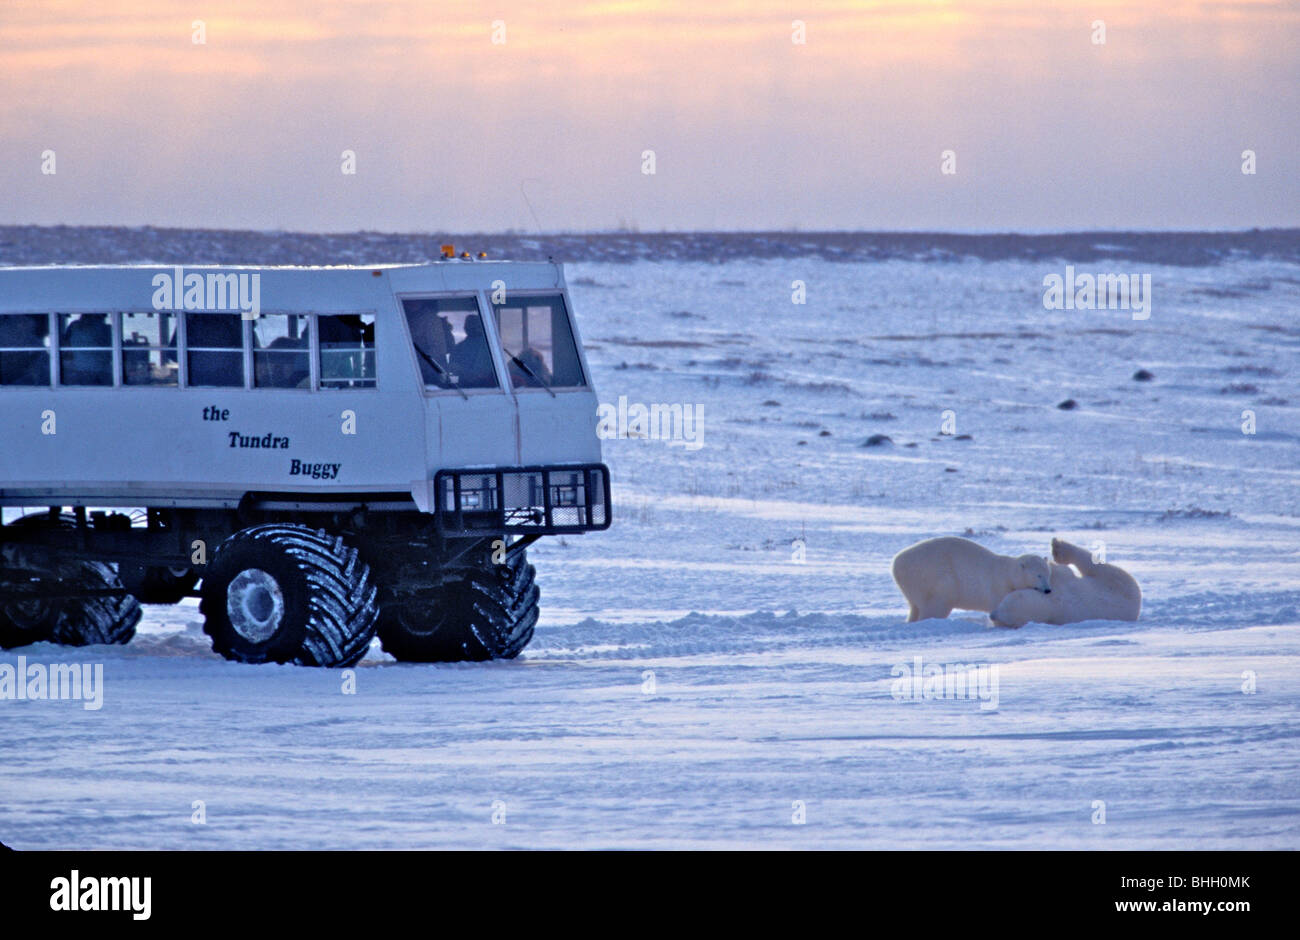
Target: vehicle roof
[71,288]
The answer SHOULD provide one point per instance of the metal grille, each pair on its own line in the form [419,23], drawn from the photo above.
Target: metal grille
[523,499]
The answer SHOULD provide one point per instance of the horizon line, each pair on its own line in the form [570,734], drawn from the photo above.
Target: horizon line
[518,233]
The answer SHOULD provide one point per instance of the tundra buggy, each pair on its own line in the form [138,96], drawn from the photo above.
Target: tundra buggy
[318,454]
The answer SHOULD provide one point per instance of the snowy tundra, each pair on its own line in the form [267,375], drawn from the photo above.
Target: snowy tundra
[729,666]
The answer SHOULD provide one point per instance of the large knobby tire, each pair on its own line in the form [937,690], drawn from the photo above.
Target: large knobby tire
[26,621]
[475,614]
[158,585]
[288,594]
[70,620]
[99,618]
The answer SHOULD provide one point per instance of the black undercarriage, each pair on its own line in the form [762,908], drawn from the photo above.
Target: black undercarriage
[390,542]
[501,510]
[305,578]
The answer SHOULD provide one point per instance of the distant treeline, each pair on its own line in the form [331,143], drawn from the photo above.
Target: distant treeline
[31,244]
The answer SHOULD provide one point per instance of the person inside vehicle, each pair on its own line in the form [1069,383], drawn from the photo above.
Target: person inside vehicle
[528,369]
[432,337]
[471,361]
[283,365]
[87,345]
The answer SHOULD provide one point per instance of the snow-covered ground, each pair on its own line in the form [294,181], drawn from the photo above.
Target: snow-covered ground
[700,679]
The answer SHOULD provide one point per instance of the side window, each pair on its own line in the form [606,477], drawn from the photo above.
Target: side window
[214,348]
[538,342]
[450,342]
[281,352]
[347,351]
[24,349]
[149,349]
[85,349]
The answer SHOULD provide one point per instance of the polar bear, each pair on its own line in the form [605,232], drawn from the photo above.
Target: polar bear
[941,574]
[1098,592]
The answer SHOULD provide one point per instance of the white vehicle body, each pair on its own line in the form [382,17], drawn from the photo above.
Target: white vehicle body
[328,454]
[175,443]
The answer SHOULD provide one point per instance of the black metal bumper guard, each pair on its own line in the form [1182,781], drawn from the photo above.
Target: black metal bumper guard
[543,500]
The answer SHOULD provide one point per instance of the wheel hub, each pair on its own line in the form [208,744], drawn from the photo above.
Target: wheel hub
[27,615]
[255,605]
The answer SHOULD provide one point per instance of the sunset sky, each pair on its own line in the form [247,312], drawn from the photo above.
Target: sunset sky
[749,130]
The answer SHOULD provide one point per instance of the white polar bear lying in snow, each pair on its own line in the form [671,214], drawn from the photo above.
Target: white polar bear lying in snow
[1098,592]
[939,575]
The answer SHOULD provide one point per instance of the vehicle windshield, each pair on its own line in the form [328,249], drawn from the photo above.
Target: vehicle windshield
[450,342]
[538,342]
